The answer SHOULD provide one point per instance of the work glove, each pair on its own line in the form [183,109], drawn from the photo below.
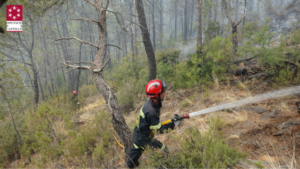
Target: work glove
[177,120]
[177,123]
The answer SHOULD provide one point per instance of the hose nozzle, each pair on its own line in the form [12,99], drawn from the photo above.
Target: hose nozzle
[186,116]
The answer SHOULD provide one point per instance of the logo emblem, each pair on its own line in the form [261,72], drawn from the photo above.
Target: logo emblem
[14,18]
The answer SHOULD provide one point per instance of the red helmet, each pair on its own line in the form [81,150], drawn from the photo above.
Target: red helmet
[155,87]
[74,92]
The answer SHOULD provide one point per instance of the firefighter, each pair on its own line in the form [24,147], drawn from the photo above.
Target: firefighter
[75,95]
[148,121]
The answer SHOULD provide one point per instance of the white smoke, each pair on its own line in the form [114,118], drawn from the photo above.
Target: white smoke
[187,49]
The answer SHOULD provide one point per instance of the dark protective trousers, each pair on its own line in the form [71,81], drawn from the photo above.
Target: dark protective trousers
[135,153]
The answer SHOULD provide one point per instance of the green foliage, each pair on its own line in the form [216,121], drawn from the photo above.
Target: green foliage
[196,150]
[168,56]
[203,66]
[212,31]
[259,164]
[11,111]
[259,44]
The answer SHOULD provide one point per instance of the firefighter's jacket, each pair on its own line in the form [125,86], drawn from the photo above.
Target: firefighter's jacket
[146,122]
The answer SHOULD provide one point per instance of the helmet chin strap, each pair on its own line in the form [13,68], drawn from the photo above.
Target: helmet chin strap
[159,102]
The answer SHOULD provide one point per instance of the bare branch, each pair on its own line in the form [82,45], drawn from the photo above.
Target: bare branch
[75,66]
[14,59]
[119,22]
[57,68]
[114,46]
[87,20]
[77,40]
[69,70]
[80,62]
[245,13]
[226,11]
[26,48]
[107,3]
[131,22]
[27,87]
[91,2]
[95,70]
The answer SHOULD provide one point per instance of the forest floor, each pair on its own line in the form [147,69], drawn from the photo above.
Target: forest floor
[267,131]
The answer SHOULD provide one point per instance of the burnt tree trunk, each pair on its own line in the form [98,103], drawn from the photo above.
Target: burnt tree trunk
[146,39]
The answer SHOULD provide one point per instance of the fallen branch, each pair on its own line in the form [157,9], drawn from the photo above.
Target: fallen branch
[291,62]
[239,61]
[258,75]
[77,40]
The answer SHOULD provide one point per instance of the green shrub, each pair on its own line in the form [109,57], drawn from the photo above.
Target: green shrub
[196,150]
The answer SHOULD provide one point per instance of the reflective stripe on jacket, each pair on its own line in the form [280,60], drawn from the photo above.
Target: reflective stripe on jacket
[147,121]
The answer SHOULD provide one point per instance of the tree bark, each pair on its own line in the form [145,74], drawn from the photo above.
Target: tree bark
[185,22]
[234,24]
[191,28]
[135,31]
[110,98]
[199,26]
[146,39]
[175,21]
[161,24]
[65,53]
[27,74]
[47,56]
[130,28]
[41,87]
[153,28]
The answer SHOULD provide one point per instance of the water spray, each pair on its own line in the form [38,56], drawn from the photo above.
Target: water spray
[269,95]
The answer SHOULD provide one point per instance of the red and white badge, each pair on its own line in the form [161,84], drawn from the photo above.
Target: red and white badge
[14,18]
